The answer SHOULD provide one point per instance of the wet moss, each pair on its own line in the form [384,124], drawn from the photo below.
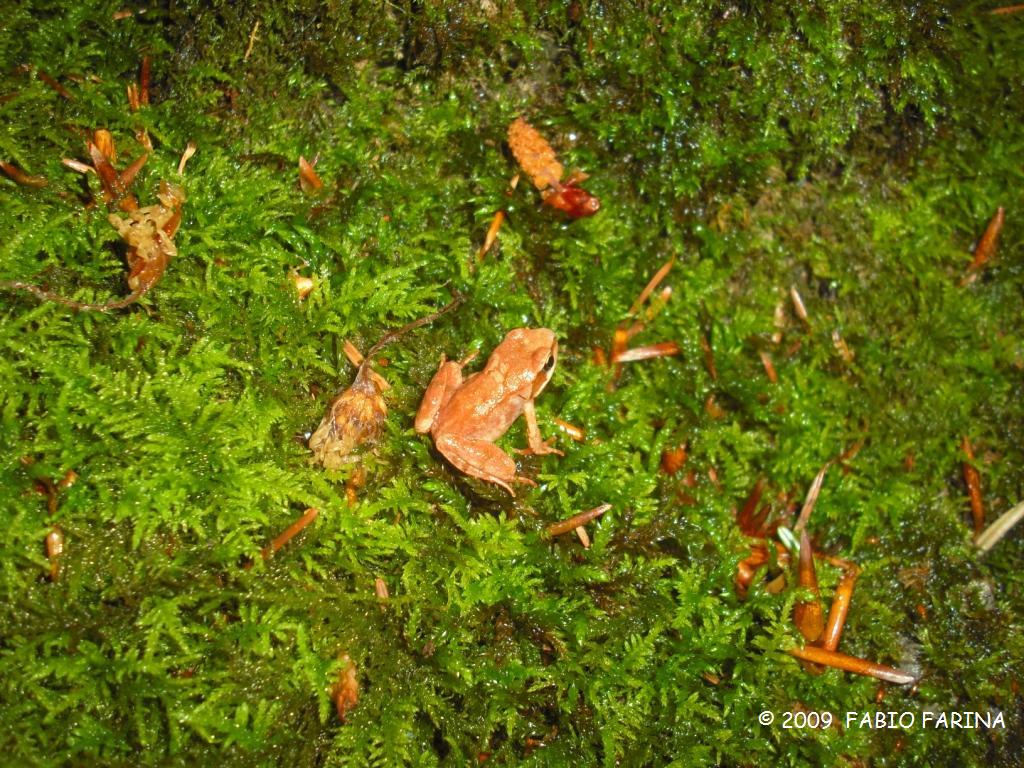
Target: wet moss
[853,152]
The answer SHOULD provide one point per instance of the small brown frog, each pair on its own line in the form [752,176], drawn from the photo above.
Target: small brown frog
[465,417]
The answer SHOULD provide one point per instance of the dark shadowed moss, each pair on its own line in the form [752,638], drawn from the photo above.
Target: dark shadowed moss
[852,150]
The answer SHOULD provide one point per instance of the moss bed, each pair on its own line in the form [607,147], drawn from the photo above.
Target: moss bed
[851,150]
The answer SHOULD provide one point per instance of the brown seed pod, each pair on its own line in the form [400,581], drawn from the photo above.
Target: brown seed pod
[534,154]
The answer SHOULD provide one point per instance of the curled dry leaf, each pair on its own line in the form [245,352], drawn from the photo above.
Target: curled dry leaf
[104,142]
[986,247]
[574,432]
[132,91]
[149,234]
[673,459]
[309,181]
[769,367]
[492,235]
[355,417]
[303,285]
[576,521]
[853,664]
[662,349]
[345,691]
[991,536]
[77,165]
[115,185]
[807,614]
[840,608]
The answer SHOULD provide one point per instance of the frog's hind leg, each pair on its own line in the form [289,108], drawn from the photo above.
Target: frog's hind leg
[479,458]
[440,390]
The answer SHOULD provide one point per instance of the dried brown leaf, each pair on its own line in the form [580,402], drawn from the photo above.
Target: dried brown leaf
[309,181]
[356,417]
[345,691]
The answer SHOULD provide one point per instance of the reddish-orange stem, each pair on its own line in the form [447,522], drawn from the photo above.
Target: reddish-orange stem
[574,522]
[20,177]
[840,608]
[144,81]
[651,285]
[290,532]
[769,367]
[492,235]
[807,614]
[663,349]
[746,514]
[853,664]
[709,357]
[52,82]
[973,480]
[574,432]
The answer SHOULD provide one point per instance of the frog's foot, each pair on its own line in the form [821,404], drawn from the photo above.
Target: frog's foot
[540,448]
[479,458]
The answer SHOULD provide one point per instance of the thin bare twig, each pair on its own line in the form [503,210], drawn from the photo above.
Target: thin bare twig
[811,500]
[574,522]
[991,535]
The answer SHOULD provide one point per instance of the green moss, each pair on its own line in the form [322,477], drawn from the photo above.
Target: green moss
[853,151]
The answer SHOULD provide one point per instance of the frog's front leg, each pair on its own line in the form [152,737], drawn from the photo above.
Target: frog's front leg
[538,445]
[440,390]
[480,458]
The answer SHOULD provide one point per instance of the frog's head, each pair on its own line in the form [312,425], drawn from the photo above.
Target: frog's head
[542,349]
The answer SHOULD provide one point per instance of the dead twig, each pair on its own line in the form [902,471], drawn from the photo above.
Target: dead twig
[853,664]
[973,481]
[811,500]
[576,521]
[991,536]
[492,235]
[986,247]
[290,532]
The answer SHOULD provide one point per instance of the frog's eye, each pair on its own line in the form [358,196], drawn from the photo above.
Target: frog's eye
[550,363]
